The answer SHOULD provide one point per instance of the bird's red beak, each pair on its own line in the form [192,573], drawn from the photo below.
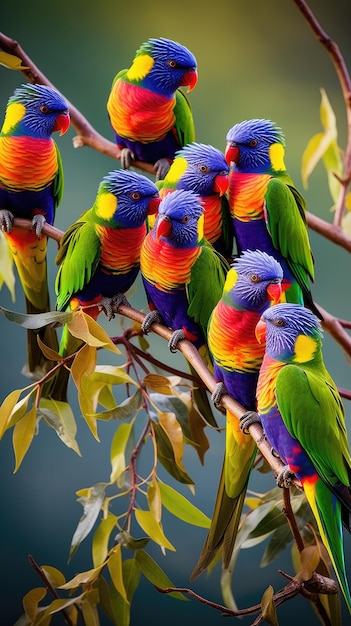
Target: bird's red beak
[163,228]
[274,292]
[153,206]
[260,331]
[232,154]
[220,184]
[62,123]
[189,79]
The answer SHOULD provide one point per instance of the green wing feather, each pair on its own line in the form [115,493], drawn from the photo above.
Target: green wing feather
[313,413]
[184,123]
[76,267]
[286,214]
[206,284]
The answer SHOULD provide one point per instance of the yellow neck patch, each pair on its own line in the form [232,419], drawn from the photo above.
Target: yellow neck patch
[106,205]
[276,155]
[14,113]
[200,228]
[230,279]
[140,67]
[176,170]
[305,348]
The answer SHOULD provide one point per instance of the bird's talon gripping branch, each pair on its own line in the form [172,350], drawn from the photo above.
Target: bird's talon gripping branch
[38,222]
[107,304]
[151,318]
[161,168]
[127,157]
[248,418]
[177,336]
[6,220]
[217,394]
[285,477]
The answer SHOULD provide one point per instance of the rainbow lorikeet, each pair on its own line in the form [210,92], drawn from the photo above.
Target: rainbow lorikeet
[252,284]
[31,187]
[268,211]
[99,255]
[303,418]
[203,169]
[182,273]
[150,116]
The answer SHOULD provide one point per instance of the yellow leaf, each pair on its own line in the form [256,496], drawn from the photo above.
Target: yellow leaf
[114,565]
[11,61]
[7,274]
[154,499]
[82,578]
[173,429]
[59,416]
[55,577]
[309,558]
[7,408]
[327,116]
[312,154]
[23,434]
[152,528]
[269,612]
[118,447]
[84,327]
[31,601]
[156,382]
[83,363]
[101,539]
[50,354]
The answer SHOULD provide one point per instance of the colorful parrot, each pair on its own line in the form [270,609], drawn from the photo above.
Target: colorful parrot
[303,418]
[31,187]
[204,170]
[182,273]
[99,255]
[268,211]
[252,284]
[150,116]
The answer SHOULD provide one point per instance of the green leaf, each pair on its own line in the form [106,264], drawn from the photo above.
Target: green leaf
[153,528]
[118,446]
[101,539]
[35,321]
[92,504]
[23,434]
[59,416]
[11,61]
[165,454]
[269,612]
[88,608]
[155,574]
[279,540]
[123,411]
[7,274]
[114,565]
[127,541]
[131,577]
[106,602]
[179,506]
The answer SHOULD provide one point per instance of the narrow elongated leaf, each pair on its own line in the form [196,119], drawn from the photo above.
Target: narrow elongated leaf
[269,612]
[123,411]
[114,565]
[174,432]
[131,577]
[59,416]
[106,602]
[11,61]
[7,408]
[153,572]
[35,321]
[7,274]
[118,446]
[309,557]
[88,608]
[82,578]
[156,382]
[112,375]
[83,363]
[154,499]
[179,506]
[31,601]
[176,405]
[279,540]
[92,504]
[126,540]
[101,539]
[50,354]
[23,434]
[88,330]
[153,528]
[165,455]
[55,577]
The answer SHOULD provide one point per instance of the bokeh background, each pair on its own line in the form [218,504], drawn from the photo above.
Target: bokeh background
[255,59]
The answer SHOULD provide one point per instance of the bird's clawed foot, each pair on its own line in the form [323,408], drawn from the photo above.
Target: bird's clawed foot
[38,222]
[127,156]
[161,168]
[108,304]
[151,318]
[6,220]
[217,394]
[177,336]
[285,477]
[248,418]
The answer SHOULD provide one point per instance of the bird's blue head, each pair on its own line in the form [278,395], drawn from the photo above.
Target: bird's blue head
[254,281]
[201,168]
[37,111]
[180,219]
[125,198]
[163,66]
[292,332]
[255,146]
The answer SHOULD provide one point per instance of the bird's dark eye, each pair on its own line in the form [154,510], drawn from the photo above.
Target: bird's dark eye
[253,143]
[172,63]
[254,278]
[44,108]
[203,168]
[135,195]
[280,322]
[185,219]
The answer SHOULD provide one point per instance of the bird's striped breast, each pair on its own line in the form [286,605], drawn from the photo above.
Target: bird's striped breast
[139,114]
[267,381]
[120,248]
[27,163]
[246,195]
[165,266]
[213,217]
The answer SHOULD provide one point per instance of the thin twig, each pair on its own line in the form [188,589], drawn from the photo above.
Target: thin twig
[39,570]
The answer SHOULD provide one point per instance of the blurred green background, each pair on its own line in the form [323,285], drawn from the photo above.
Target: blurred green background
[255,59]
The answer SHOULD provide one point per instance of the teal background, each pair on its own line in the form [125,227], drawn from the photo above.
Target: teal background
[255,59]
